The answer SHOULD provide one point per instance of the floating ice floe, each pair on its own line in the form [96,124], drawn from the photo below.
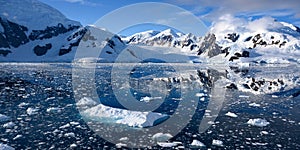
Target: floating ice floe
[254,105]
[258,122]
[167,144]
[230,114]
[5,147]
[32,111]
[217,142]
[148,99]
[3,118]
[108,114]
[53,110]
[9,125]
[197,143]
[161,137]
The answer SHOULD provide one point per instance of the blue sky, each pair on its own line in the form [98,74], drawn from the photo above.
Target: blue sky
[89,11]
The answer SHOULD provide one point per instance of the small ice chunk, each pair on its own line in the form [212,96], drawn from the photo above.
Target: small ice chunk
[258,122]
[200,94]
[9,125]
[167,144]
[230,114]
[3,118]
[148,99]
[53,110]
[73,146]
[120,145]
[71,134]
[23,104]
[17,137]
[65,126]
[197,143]
[124,139]
[5,147]
[264,132]
[32,111]
[254,105]
[74,123]
[161,137]
[243,96]
[217,142]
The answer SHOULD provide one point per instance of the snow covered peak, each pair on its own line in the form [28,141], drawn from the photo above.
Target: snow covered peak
[167,32]
[33,14]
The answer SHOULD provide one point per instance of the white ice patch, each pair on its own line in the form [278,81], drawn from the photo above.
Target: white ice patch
[167,144]
[5,147]
[161,137]
[197,143]
[254,105]
[217,142]
[122,116]
[9,125]
[3,118]
[148,99]
[230,114]
[53,110]
[32,111]
[258,122]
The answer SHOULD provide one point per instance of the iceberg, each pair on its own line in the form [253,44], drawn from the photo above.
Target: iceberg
[130,118]
[258,122]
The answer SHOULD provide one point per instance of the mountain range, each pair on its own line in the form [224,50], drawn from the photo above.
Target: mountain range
[31,31]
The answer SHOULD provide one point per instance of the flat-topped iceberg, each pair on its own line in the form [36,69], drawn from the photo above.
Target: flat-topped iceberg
[108,114]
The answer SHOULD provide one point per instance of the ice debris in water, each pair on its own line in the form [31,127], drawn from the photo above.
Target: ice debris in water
[9,125]
[167,144]
[197,143]
[131,118]
[3,118]
[31,111]
[5,147]
[217,142]
[230,114]
[254,105]
[161,137]
[258,122]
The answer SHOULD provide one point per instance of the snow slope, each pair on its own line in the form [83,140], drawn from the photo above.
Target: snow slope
[31,31]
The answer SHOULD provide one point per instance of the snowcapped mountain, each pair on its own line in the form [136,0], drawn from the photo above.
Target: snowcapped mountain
[232,40]
[33,31]
[166,38]
[263,40]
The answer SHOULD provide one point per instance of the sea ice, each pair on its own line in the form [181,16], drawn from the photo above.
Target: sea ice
[3,118]
[161,137]
[9,125]
[254,105]
[258,122]
[5,147]
[217,142]
[31,111]
[122,116]
[167,144]
[230,114]
[197,143]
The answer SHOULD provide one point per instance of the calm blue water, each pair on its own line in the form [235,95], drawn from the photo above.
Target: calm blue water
[46,86]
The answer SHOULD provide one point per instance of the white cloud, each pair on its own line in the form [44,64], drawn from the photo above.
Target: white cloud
[274,8]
